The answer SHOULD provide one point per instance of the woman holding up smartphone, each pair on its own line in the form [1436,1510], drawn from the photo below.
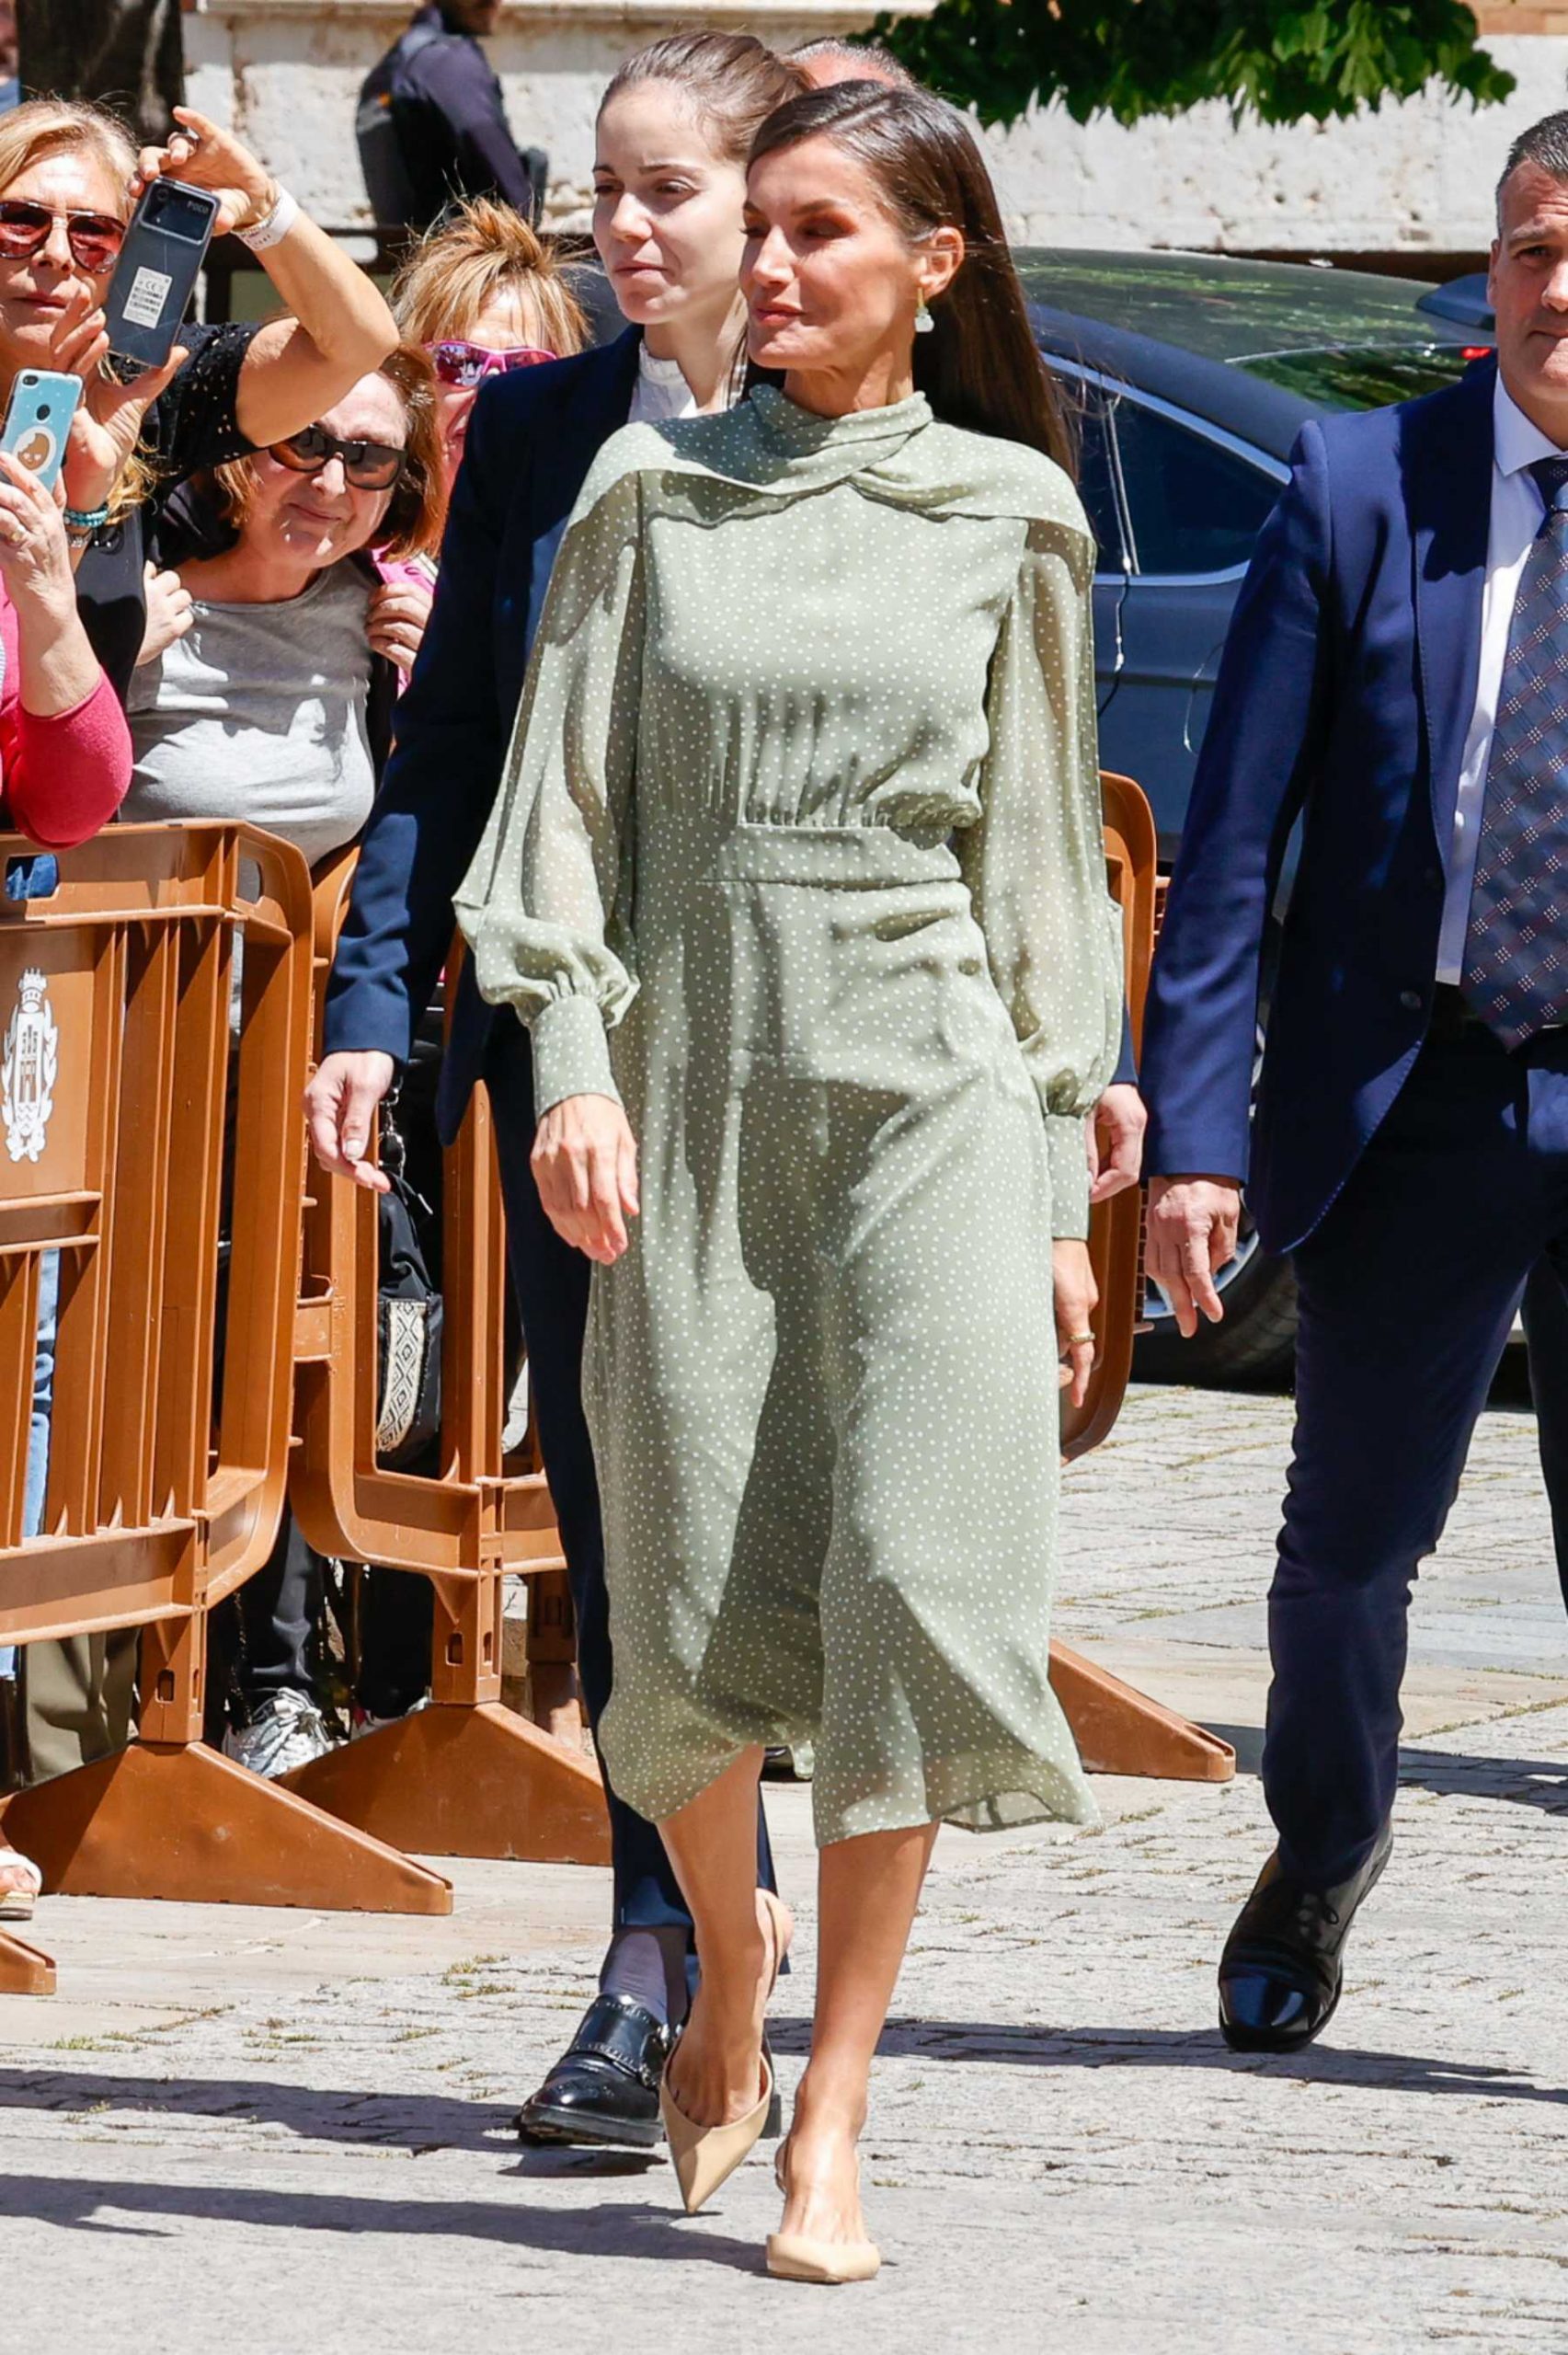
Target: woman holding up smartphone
[69,180]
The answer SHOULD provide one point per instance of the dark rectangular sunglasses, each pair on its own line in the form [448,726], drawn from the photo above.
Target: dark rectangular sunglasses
[368,465]
[94,238]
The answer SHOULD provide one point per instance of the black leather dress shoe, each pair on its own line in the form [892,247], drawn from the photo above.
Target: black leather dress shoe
[604,2087]
[1281,1972]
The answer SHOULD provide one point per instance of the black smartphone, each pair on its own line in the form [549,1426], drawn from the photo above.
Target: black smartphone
[165,244]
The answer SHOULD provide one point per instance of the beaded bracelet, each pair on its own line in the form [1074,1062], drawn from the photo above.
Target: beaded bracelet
[82,524]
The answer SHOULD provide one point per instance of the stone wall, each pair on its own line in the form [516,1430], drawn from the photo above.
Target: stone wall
[1404,178]
[286,73]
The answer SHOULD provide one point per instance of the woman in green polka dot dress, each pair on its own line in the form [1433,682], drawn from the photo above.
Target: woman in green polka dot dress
[796,877]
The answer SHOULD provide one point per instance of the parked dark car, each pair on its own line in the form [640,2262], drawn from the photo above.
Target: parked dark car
[1191,375]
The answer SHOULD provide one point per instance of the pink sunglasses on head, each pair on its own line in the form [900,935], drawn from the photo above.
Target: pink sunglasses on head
[464,365]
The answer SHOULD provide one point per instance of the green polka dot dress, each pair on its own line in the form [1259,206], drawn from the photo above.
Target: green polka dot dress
[799,853]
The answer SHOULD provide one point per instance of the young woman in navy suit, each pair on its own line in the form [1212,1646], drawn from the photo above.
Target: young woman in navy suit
[674,129]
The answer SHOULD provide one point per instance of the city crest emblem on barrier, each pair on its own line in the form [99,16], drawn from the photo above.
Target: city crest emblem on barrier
[30,1064]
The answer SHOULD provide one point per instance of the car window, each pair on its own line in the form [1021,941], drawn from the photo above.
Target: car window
[1086,415]
[1365,378]
[1196,507]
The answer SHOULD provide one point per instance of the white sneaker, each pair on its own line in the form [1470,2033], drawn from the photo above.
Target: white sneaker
[288,1730]
[364,1723]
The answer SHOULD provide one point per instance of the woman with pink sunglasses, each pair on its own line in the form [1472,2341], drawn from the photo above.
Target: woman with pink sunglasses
[483,296]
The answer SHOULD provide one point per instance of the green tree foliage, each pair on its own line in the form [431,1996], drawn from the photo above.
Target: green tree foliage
[1277,58]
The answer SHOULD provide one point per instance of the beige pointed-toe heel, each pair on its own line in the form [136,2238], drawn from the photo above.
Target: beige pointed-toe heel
[796,2256]
[792,2257]
[705,2156]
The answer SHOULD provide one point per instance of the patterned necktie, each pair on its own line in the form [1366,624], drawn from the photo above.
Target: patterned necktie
[1516,970]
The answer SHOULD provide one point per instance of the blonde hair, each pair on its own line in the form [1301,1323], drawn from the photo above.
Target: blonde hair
[47,126]
[485,252]
[42,127]
[416,510]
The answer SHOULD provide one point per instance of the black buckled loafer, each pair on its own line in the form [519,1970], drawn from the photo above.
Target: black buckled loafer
[1282,1970]
[604,2087]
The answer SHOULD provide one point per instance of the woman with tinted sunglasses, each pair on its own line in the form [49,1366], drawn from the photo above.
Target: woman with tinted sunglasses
[69,179]
[673,133]
[273,705]
[485,296]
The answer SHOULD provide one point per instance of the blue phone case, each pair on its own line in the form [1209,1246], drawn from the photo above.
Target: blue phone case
[38,419]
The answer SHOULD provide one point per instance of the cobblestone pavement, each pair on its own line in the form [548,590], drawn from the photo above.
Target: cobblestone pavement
[287,2130]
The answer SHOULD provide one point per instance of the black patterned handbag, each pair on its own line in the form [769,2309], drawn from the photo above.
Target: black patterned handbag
[408,1319]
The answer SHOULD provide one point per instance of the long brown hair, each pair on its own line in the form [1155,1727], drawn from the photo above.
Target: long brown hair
[979,367]
[731,81]
[416,511]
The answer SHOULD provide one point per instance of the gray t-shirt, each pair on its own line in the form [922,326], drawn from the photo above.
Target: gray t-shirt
[259,713]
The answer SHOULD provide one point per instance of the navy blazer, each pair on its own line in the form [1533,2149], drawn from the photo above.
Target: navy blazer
[531,438]
[1344,696]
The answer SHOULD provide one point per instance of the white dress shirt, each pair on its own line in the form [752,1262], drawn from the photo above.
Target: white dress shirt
[1516,510]
[660,391]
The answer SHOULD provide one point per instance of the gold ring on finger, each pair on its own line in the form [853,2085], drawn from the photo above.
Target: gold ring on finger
[1079,1340]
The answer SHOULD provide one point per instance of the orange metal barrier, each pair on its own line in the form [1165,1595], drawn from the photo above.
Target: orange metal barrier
[465,1776]
[115,998]
[1119,1730]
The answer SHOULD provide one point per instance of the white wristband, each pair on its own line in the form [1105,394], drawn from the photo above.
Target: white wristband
[275,228]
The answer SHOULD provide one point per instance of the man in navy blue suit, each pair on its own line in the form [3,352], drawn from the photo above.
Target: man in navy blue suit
[1396,678]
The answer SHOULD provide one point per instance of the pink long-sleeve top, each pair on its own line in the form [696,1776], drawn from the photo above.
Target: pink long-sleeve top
[61,779]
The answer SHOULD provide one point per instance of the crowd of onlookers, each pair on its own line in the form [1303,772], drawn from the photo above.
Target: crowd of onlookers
[211,617]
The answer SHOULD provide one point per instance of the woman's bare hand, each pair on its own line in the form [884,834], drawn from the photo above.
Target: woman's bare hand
[399,612]
[340,1104]
[168,612]
[585,1164]
[1115,1142]
[203,155]
[35,561]
[106,425]
[1077,1297]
